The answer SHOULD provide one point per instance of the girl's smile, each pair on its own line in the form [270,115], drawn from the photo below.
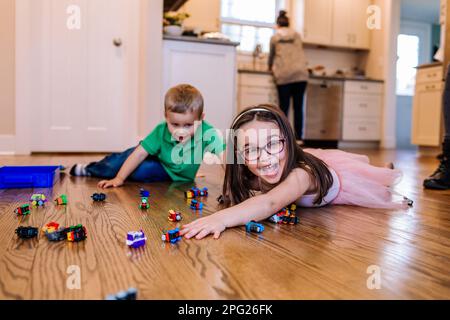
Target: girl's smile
[262,147]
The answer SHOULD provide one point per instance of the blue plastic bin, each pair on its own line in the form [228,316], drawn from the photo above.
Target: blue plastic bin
[28,177]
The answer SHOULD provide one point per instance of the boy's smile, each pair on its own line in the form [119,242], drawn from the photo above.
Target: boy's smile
[182,126]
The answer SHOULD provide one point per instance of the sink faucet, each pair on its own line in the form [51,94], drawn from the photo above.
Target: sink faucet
[257,52]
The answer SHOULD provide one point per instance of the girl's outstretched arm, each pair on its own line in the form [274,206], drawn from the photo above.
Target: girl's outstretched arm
[256,208]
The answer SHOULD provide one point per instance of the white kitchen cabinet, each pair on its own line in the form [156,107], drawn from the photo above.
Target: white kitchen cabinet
[362,111]
[317,15]
[340,23]
[211,68]
[349,24]
[256,89]
[427,107]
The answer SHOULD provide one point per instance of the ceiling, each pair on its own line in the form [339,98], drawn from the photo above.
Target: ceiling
[420,10]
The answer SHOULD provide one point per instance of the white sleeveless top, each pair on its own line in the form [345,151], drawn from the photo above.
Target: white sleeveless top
[307,200]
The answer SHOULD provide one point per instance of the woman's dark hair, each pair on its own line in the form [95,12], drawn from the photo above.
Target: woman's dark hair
[237,185]
[282,20]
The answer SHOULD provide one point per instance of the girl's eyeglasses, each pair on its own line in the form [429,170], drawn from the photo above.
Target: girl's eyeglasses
[272,148]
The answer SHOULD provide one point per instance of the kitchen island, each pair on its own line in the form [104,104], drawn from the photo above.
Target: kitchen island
[210,66]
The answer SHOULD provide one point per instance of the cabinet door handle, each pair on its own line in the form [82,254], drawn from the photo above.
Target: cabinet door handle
[363,105]
[360,128]
[363,87]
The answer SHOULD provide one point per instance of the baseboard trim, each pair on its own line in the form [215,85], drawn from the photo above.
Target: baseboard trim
[359,145]
[7,144]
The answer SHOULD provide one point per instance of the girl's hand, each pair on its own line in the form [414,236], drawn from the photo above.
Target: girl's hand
[116,182]
[200,228]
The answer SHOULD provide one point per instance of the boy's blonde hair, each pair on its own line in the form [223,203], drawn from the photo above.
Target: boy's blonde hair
[184,98]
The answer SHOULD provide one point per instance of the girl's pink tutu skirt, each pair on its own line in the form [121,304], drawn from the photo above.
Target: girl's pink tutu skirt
[361,183]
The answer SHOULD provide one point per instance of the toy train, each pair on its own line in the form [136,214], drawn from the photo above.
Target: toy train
[196,192]
[253,226]
[144,203]
[98,197]
[136,239]
[174,216]
[171,236]
[23,210]
[286,215]
[38,199]
[196,205]
[27,232]
[61,200]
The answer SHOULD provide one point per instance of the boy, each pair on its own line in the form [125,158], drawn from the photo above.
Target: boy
[173,151]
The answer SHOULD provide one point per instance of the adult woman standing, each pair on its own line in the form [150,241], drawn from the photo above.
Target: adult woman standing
[288,65]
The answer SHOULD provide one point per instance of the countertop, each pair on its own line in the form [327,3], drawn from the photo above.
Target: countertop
[200,40]
[338,78]
[429,65]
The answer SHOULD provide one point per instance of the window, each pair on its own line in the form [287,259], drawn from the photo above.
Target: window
[408,59]
[250,22]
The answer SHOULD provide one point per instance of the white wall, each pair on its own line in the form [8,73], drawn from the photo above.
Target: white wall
[381,64]
[150,103]
[7,67]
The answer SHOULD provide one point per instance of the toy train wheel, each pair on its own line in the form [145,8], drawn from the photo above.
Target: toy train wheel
[40,203]
[34,203]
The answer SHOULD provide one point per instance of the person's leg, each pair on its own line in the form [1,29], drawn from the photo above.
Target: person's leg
[298,92]
[440,179]
[284,97]
[106,168]
[150,170]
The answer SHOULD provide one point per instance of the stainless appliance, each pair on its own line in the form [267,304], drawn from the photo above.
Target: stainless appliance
[323,114]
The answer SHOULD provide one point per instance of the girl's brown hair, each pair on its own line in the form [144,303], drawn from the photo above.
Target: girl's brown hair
[237,185]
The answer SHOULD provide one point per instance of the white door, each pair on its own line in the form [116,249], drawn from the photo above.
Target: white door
[83,74]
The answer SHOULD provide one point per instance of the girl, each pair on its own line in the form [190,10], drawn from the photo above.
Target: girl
[269,171]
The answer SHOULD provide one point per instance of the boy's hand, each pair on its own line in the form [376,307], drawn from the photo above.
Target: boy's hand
[200,228]
[116,182]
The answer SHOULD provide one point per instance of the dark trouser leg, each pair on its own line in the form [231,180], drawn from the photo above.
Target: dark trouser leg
[440,179]
[298,92]
[150,170]
[108,167]
[284,97]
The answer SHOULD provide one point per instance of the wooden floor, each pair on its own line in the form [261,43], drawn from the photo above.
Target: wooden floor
[326,256]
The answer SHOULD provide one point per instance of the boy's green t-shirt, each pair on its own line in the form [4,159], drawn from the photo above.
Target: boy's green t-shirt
[182,160]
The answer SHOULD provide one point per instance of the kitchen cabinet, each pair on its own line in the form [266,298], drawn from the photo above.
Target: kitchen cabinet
[349,24]
[340,23]
[315,29]
[340,110]
[361,119]
[256,88]
[427,107]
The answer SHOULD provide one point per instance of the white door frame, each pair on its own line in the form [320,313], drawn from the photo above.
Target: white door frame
[24,73]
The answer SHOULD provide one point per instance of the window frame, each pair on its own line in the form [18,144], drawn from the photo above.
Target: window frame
[279,5]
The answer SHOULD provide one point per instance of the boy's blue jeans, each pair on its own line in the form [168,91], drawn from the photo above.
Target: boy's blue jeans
[150,170]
